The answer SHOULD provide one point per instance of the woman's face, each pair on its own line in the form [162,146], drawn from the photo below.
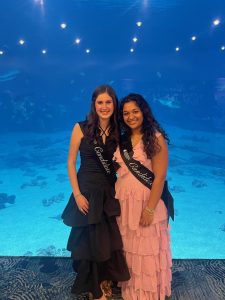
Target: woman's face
[104,106]
[132,115]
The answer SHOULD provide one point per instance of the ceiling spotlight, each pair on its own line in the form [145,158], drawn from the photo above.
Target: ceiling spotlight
[87,51]
[63,25]
[177,49]
[135,39]
[193,38]
[77,41]
[216,22]
[131,50]
[1,52]
[139,23]
[40,2]
[44,51]
[21,42]
[222,48]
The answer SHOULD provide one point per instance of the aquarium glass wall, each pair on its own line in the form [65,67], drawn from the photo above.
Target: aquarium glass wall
[53,53]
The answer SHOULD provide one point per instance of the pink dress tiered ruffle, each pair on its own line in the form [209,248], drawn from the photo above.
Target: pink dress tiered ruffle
[147,249]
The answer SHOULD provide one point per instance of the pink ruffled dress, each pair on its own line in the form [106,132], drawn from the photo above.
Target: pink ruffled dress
[147,249]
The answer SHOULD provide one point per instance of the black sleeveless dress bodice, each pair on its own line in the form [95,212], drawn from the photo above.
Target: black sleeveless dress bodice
[88,157]
[95,242]
[94,185]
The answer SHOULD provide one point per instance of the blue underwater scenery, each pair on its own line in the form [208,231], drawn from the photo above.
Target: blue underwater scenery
[52,56]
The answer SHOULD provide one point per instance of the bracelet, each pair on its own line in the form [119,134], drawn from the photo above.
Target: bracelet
[150,211]
[77,195]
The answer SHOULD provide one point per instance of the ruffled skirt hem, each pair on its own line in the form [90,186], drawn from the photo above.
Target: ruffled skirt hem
[91,273]
[131,294]
[149,261]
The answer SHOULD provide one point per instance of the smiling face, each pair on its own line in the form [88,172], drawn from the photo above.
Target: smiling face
[104,106]
[132,115]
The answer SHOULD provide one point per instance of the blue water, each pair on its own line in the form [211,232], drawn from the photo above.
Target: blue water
[43,95]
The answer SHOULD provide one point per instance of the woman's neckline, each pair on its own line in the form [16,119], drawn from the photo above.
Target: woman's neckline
[137,143]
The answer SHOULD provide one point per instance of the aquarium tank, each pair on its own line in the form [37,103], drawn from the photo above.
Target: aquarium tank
[53,53]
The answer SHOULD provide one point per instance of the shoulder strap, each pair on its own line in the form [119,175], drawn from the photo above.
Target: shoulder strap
[82,125]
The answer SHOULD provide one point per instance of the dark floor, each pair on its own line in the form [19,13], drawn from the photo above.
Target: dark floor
[50,278]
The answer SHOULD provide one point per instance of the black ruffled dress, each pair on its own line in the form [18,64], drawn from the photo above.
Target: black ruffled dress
[95,242]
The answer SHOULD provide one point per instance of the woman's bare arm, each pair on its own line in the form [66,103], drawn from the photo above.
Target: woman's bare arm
[75,141]
[159,168]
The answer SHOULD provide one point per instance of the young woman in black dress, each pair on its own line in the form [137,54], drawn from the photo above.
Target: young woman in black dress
[95,242]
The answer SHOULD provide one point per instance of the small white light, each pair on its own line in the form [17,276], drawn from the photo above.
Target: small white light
[63,25]
[44,51]
[193,38]
[222,48]
[77,41]
[177,49]
[131,50]
[21,42]
[1,52]
[216,22]
[40,2]
[139,23]
[87,51]
[135,39]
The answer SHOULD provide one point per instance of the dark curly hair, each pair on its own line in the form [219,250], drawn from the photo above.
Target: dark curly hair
[149,126]
[92,129]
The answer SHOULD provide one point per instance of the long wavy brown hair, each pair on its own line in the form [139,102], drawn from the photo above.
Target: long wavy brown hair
[149,126]
[92,128]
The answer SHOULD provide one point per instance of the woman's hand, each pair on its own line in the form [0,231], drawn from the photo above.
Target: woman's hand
[146,218]
[82,203]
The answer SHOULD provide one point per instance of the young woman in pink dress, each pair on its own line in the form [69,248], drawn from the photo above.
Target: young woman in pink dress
[144,216]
